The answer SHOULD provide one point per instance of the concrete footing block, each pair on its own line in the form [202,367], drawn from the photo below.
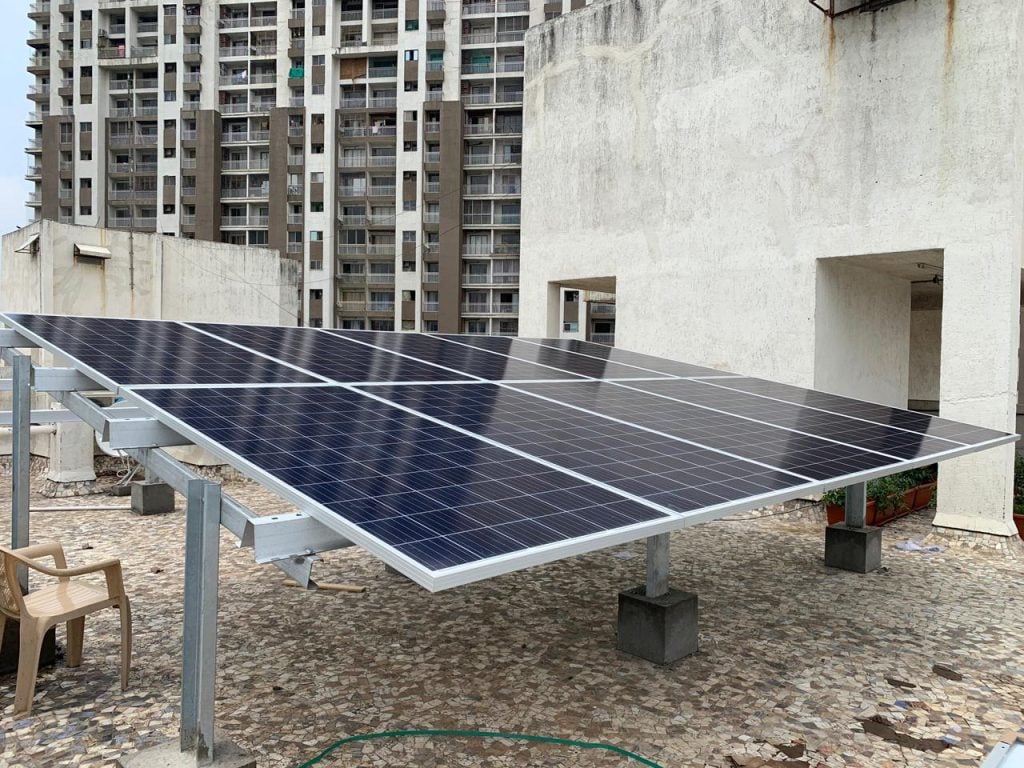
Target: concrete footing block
[853,549]
[168,754]
[11,643]
[660,629]
[150,498]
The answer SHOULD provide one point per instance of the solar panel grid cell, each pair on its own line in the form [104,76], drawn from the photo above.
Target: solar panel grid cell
[557,358]
[475,362]
[150,352]
[626,357]
[438,496]
[329,355]
[677,475]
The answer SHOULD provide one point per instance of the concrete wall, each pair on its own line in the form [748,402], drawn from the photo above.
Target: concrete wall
[718,151]
[174,278]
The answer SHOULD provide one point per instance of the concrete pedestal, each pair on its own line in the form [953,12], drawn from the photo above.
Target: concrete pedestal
[660,629]
[10,645]
[149,498]
[168,754]
[853,549]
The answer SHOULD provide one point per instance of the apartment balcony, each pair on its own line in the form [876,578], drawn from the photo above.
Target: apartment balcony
[509,66]
[34,170]
[349,17]
[513,36]
[430,96]
[478,38]
[478,9]
[352,220]
[431,306]
[188,191]
[147,84]
[352,306]
[432,157]
[382,102]
[189,134]
[34,117]
[435,36]
[187,163]
[263,78]
[34,199]
[476,219]
[240,193]
[352,103]
[602,310]
[490,308]
[38,92]
[147,27]
[382,161]
[144,223]
[250,164]
[233,22]
[385,39]
[350,278]
[431,248]
[368,130]
[381,220]
[188,219]
[294,248]
[382,72]
[431,127]
[295,219]
[352,161]
[602,338]
[38,9]
[380,278]
[38,62]
[432,187]
[431,277]
[236,108]
[507,219]
[383,191]
[295,101]
[431,217]
[380,14]
[380,306]
[504,278]
[478,69]
[35,145]
[234,52]
[263,21]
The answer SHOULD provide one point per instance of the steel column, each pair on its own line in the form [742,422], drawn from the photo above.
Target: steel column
[21,437]
[856,505]
[199,646]
[657,565]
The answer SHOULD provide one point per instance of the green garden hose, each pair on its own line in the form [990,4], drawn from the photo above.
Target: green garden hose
[482,735]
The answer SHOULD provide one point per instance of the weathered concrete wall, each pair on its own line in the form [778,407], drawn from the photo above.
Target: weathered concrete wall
[174,278]
[709,154]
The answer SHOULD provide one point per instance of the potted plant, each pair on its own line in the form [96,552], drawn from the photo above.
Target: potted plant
[888,497]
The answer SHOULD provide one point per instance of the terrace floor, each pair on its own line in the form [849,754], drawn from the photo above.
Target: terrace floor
[838,667]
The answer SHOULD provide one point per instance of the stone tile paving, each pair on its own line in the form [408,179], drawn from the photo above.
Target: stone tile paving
[834,668]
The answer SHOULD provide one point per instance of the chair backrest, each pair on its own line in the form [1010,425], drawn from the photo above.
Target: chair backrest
[10,591]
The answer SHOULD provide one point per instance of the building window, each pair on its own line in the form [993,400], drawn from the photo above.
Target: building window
[85,183]
[408,235]
[85,210]
[85,127]
[408,266]
[316,235]
[85,155]
[170,96]
[317,177]
[318,61]
[316,207]
[411,25]
[412,55]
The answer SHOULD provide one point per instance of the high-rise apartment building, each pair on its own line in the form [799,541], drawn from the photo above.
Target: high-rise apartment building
[378,141]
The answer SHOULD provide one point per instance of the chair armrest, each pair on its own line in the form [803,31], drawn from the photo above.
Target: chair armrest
[62,573]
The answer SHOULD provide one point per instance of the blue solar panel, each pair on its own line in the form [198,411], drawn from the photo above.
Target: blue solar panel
[473,362]
[805,455]
[132,352]
[679,475]
[655,365]
[330,355]
[583,365]
[442,472]
[870,436]
[439,497]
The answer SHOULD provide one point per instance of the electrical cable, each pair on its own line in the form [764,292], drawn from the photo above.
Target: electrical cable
[482,735]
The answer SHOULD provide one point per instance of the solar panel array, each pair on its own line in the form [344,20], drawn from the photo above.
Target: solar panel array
[454,458]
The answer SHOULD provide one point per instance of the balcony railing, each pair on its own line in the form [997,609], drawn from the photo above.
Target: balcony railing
[513,36]
[507,219]
[431,277]
[478,38]
[382,161]
[476,9]
[382,72]
[352,161]
[602,310]
[352,306]
[602,338]
[381,306]
[384,13]
[380,278]
[432,187]
[430,306]
[431,217]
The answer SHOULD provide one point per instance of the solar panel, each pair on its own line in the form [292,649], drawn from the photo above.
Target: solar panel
[394,480]
[594,367]
[330,355]
[405,444]
[657,467]
[136,352]
[650,363]
[474,362]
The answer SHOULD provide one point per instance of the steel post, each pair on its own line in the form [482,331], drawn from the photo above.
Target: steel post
[856,505]
[21,413]
[657,565]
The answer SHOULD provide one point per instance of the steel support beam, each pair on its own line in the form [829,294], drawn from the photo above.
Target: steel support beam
[21,414]
[856,505]
[297,564]
[10,338]
[657,565]
[140,433]
[63,380]
[62,416]
[199,645]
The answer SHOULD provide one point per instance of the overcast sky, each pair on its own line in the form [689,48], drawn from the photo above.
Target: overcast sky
[14,107]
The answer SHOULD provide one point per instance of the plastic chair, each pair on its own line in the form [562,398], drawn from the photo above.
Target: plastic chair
[68,601]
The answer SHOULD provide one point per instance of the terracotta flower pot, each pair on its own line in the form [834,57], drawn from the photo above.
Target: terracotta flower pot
[923,496]
[836,513]
[1019,521]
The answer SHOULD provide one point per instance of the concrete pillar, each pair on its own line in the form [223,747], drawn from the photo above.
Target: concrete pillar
[978,380]
[71,469]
